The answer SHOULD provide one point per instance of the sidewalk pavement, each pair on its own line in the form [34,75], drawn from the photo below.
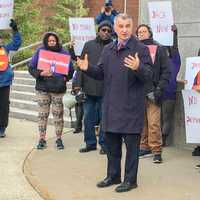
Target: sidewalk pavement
[70,175]
[14,148]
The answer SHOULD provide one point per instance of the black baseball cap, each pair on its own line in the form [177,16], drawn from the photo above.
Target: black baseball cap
[108,3]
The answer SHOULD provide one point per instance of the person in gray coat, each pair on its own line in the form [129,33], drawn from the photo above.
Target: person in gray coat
[124,67]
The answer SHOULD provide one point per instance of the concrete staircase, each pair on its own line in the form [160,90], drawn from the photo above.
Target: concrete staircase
[23,103]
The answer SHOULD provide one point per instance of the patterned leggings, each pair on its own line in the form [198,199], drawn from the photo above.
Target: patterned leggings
[45,99]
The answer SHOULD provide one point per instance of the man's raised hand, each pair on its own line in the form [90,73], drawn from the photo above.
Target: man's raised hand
[132,62]
[83,63]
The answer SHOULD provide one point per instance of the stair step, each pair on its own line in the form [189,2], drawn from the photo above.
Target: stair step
[23,74]
[29,96]
[33,116]
[25,81]
[23,77]
[23,87]
[23,104]
[30,88]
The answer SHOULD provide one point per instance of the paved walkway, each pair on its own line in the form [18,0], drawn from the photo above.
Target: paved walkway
[21,138]
[69,175]
[13,150]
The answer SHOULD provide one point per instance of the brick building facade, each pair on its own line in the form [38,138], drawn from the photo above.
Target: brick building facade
[95,7]
[132,7]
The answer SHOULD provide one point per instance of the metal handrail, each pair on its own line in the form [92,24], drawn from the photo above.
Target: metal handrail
[21,63]
[29,46]
[29,59]
[12,53]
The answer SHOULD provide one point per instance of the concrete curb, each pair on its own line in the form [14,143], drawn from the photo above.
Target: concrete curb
[32,180]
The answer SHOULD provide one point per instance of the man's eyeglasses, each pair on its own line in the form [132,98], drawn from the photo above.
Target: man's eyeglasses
[106,30]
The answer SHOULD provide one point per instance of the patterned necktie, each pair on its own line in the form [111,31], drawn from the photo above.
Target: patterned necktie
[120,46]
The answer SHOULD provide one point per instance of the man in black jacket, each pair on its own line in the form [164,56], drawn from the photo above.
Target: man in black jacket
[151,139]
[93,89]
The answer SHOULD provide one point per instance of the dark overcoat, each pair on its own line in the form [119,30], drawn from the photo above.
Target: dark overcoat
[123,100]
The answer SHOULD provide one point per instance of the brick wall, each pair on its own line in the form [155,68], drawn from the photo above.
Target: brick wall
[132,8]
[95,7]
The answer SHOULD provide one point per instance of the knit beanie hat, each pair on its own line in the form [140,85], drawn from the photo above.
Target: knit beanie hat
[105,23]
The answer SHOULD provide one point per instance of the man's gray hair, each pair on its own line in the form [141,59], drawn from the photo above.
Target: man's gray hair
[123,16]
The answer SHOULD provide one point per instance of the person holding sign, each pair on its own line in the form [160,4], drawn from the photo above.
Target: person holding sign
[52,68]
[151,140]
[124,66]
[196,84]
[196,87]
[169,96]
[6,75]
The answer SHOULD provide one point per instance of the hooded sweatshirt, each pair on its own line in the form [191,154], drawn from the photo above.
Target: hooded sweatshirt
[57,82]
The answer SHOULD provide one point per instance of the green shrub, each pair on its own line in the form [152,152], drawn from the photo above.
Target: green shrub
[32,25]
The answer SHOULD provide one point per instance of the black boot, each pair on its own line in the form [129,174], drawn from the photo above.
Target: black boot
[196,151]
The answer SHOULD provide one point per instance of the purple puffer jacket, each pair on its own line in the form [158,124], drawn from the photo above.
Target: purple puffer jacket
[170,91]
[55,83]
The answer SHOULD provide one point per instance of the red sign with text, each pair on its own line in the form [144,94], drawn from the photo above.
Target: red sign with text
[56,62]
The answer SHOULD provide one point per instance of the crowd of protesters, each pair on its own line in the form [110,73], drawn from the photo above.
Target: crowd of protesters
[128,87]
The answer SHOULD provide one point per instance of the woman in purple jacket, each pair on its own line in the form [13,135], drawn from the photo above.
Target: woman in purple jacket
[50,88]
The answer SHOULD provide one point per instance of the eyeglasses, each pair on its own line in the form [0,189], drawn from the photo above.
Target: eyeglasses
[106,30]
[142,32]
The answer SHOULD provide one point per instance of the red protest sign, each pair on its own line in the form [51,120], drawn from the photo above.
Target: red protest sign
[56,62]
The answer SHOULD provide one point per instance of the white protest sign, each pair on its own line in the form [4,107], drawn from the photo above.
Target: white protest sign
[6,13]
[192,68]
[191,100]
[81,31]
[161,21]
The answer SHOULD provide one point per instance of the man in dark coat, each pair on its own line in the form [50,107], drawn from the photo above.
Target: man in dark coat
[124,66]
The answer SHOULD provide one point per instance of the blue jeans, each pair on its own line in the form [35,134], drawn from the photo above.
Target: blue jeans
[2,130]
[92,117]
